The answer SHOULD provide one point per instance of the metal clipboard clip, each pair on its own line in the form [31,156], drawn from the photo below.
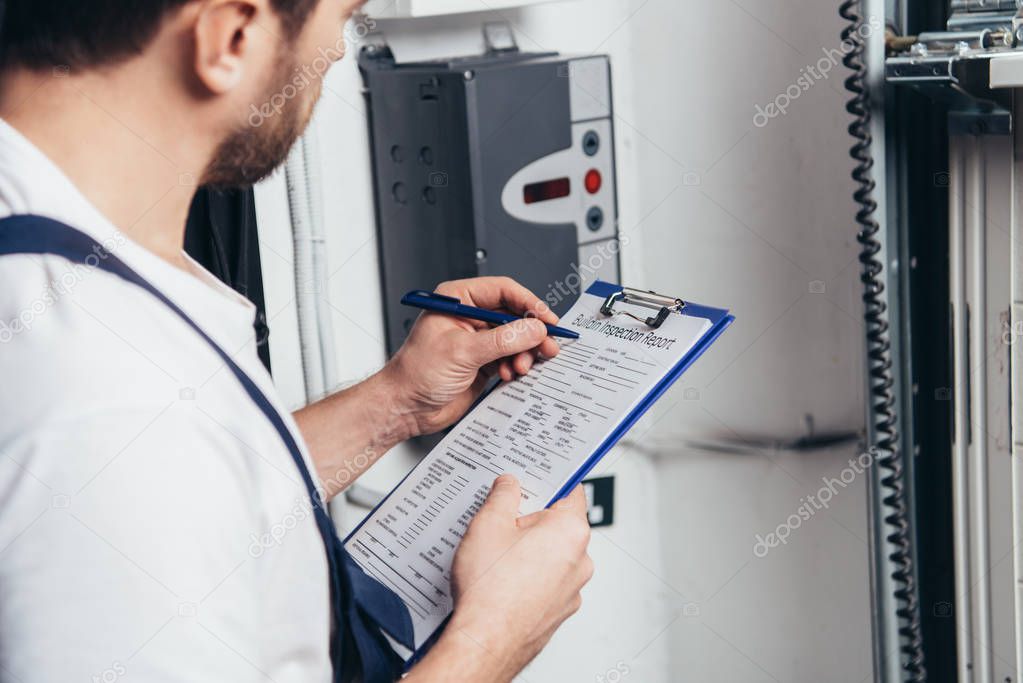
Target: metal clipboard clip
[664,305]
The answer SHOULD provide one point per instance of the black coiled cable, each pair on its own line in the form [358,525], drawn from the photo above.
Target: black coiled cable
[879,357]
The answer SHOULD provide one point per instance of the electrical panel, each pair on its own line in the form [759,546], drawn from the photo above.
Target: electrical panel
[501,164]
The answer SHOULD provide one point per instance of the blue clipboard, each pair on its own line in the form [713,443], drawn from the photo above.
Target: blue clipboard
[719,319]
[719,322]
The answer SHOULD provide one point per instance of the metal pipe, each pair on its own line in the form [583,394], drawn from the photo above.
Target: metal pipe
[950,40]
[1016,377]
[974,21]
[976,226]
[961,425]
[296,177]
[310,143]
[977,7]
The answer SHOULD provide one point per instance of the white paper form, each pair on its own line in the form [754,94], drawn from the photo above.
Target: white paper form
[541,428]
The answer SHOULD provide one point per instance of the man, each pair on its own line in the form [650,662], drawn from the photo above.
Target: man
[138,481]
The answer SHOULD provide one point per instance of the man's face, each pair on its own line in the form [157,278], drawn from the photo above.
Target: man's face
[277,119]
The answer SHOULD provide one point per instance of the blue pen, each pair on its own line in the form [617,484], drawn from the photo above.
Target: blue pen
[438,303]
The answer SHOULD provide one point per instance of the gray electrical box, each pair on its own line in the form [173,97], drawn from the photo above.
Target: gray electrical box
[501,164]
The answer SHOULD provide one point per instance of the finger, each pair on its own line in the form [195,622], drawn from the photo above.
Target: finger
[452,289]
[531,520]
[523,362]
[506,372]
[573,502]
[549,348]
[504,341]
[504,497]
[586,569]
[494,292]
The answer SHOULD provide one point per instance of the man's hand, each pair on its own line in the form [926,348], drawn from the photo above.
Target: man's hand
[446,361]
[430,382]
[515,580]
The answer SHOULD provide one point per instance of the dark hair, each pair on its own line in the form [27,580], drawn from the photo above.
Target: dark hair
[87,33]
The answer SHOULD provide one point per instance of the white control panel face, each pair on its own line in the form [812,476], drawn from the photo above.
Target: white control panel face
[589,88]
[575,185]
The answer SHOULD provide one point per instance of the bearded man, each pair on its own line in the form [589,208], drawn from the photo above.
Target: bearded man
[142,444]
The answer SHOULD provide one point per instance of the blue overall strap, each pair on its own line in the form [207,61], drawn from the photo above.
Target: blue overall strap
[361,607]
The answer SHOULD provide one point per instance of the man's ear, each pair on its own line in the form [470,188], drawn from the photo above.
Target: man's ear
[224,34]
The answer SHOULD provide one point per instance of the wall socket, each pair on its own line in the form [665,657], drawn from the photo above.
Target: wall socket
[600,500]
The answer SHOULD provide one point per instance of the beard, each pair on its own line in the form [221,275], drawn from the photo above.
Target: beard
[257,148]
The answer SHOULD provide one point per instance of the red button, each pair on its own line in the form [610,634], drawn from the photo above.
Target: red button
[593,181]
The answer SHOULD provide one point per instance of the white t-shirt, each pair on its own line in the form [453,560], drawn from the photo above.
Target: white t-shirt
[153,527]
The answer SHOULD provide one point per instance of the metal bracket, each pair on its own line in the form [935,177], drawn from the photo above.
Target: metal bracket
[499,37]
[983,5]
[960,80]
[664,305]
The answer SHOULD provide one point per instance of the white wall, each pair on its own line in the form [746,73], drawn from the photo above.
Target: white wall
[721,211]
